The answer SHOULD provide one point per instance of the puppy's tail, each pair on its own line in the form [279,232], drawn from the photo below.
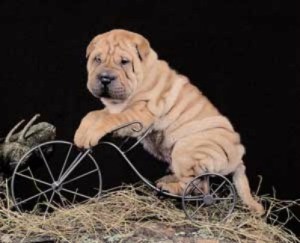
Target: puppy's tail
[241,183]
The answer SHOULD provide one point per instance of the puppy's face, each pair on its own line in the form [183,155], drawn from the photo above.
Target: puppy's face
[114,64]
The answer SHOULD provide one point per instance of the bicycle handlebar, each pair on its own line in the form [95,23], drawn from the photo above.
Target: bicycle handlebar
[134,129]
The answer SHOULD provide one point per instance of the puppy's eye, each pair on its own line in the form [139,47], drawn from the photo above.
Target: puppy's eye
[97,59]
[124,61]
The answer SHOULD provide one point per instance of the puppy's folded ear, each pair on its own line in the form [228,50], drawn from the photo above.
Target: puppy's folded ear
[142,47]
[92,44]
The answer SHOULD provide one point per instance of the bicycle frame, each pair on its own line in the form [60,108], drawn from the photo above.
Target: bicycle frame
[123,153]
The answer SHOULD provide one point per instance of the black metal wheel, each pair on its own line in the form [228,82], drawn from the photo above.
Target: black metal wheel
[209,196]
[54,173]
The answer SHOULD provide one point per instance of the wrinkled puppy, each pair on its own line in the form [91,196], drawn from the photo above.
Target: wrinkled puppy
[188,131]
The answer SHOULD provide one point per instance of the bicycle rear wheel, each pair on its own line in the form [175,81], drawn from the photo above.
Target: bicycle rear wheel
[209,196]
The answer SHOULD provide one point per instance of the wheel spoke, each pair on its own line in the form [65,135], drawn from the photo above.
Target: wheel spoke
[74,197]
[33,179]
[23,170]
[62,199]
[219,187]
[46,163]
[71,165]
[74,164]
[76,193]
[220,210]
[78,177]
[199,189]
[193,198]
[32,197]
[201,205]
[223,198]
[65,162]
[37,187]
[50,201]
[207,184]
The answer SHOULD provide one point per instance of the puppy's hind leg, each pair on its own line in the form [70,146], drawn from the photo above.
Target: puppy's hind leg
[183,168]
[167,179]
[241,183]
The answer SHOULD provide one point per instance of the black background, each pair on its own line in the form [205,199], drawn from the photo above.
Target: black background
[241,55]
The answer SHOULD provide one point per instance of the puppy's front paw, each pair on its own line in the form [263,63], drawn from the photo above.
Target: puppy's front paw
[92,138]
[172,187]
[79,138]
[87,124]
[88,139]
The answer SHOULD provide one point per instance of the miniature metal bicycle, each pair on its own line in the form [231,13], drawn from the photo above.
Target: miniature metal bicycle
[56,172]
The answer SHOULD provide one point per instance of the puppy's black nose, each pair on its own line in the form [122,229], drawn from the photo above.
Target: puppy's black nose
[106,78]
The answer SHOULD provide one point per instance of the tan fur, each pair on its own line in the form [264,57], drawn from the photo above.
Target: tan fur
[188,131]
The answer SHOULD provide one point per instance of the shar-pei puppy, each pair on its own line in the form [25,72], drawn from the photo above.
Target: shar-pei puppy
[189,133]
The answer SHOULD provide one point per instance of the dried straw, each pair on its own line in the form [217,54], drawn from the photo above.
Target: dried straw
[121,212]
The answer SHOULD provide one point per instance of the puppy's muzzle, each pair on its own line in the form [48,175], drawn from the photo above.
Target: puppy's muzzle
[106,78]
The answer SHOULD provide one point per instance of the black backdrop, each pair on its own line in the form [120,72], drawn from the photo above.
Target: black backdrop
[241,55]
